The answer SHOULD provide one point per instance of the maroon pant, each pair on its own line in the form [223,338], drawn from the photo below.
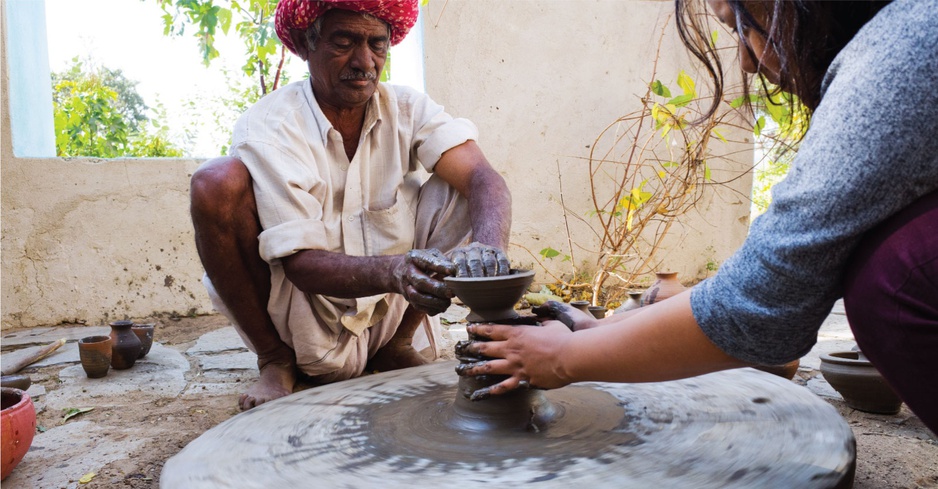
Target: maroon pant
[891,298]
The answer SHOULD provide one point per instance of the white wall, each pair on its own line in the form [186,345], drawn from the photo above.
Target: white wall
[542,79]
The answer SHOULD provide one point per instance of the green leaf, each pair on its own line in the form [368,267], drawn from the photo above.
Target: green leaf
[681,100]
[224,16]
[706,171]
[760,124]
[713,39]
[659,89]
[687,84]
[739,101]
[549,253]
[70,412]
[718,135]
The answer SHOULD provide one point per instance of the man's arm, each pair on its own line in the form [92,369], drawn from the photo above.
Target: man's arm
[465,168]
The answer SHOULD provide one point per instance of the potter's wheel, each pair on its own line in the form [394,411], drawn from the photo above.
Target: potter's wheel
[738,428]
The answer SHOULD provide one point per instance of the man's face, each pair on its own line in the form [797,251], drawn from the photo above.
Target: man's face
[348,59]
[760,52]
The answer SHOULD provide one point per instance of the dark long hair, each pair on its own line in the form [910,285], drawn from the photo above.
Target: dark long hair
[806,35]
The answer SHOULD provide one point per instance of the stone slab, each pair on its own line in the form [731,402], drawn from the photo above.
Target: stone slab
[200,390]
[820,387]
[44,336]
[63,454]
[161,374]
[224,339]
[228,361]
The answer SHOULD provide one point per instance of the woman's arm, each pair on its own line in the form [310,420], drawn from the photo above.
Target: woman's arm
[658,343]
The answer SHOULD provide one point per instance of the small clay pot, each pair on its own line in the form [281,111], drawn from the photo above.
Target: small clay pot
[858,381]
[144,333]
[633,302]
[18,422]
[581,305]
[16,381]
[666,286]
[125,346]
[95,355]
[598,312]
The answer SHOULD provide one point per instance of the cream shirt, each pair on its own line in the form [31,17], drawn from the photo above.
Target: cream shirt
[310,196]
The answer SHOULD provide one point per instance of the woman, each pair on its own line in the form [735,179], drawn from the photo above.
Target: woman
[857,217]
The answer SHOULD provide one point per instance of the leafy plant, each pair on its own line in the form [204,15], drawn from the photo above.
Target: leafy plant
[98,112]
[654,169]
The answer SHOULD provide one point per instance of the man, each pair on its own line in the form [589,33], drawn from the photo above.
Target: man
[318,236]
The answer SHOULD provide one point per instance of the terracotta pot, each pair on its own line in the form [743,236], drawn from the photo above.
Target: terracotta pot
[144,333]
[18,423]
[95,355]
[125,346]
[858,381]
[598,312]
[581,305]
[633,302]
[666,286]
[785,370]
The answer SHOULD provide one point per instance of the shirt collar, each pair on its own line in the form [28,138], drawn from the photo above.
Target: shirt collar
[373,112]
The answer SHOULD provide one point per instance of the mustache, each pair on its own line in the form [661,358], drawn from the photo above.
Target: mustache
[358,75]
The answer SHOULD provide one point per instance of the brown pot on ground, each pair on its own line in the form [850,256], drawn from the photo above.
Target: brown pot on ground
[95,354]
[785,370]
[125,346]
[666,286]
[858,381]
[144,332]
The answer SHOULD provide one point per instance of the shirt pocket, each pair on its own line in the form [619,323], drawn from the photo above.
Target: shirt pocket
[389,231]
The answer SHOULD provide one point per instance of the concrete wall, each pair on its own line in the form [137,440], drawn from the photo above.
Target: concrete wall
[92,240]
[542,79]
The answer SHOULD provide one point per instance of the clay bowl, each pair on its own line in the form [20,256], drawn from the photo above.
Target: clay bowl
[858,381]
[491,298]
[18,423]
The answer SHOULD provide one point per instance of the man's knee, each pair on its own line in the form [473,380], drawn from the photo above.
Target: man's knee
[219,186]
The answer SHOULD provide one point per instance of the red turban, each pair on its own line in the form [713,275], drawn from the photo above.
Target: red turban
[300,14]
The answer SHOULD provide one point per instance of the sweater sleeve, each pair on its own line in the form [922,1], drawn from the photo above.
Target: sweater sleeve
[871,150]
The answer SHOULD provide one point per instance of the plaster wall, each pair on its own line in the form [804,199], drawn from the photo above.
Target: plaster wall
[542,79]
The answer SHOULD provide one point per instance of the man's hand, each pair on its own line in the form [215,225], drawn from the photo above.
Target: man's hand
[479,260]
[418,279]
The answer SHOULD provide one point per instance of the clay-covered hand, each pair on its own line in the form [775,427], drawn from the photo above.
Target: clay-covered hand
[531,357]
[418,278]
[480,260]
[572,317]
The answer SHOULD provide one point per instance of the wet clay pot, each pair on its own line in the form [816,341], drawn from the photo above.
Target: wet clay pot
[598,312]
[144,333]
[666,286]
[95,355]
[785,370]
[18,423]
[581,305]
[633,302]
[491,298]
[125,346]
[858,381]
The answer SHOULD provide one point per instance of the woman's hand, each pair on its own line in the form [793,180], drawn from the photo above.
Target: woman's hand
[532,357]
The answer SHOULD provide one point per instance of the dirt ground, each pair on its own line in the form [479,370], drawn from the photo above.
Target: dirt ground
[892,451]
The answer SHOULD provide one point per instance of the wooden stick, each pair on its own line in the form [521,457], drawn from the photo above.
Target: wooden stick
[31,357]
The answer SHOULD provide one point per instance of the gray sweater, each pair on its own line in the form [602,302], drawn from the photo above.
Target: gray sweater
[871,150]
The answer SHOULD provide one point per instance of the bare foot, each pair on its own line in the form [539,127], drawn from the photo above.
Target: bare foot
[276,381]
[397,354]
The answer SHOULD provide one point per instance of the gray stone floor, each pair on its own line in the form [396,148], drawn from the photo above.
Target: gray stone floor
[216,364]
